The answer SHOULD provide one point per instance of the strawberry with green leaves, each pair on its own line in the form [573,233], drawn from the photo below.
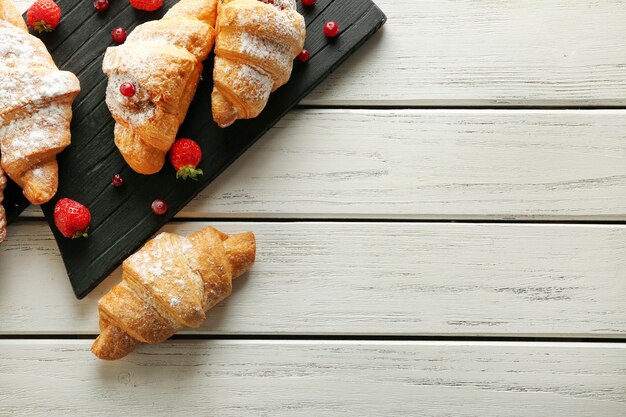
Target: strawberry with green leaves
[185,156]
[72,218]
[43,15]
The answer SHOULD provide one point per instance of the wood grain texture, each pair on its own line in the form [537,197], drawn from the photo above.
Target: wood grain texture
[428,164]
[467,52]
[367,278]
[308,378]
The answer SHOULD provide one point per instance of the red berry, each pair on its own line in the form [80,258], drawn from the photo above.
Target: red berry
[101,5]
[43,15]
[71,218]
[159,207]
[331,29]
[119,35]
[149,5]
[127,89]
[304,56]
[308,3]
[185,155]
[117,181]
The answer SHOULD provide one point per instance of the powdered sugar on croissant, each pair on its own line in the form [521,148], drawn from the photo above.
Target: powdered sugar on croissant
[170,283]
[35,108]
[256,44]
[163,60]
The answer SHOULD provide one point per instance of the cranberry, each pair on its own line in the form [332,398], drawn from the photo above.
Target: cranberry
[119,34]
[159,207]
[331,29]
[101,5]
[117,181]
[308,3]
[304,56]
[127,89]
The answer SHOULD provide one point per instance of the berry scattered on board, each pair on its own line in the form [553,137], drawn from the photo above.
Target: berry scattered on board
[159,207]
[331,29]
[101,5]
[71,218]
[304,56]
[119,34]
[117,181]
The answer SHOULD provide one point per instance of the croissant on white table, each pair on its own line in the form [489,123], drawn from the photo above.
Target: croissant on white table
[169,284]
[162,59]
[256,44]
[35,108]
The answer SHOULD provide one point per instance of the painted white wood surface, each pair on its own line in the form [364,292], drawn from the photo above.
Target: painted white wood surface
[428,164]
[308,378]
[368,278]
[467,52]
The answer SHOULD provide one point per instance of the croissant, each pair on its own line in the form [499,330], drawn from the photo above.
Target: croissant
[256,44]
[162,59]
[170,283]
[3,218]
[35,108]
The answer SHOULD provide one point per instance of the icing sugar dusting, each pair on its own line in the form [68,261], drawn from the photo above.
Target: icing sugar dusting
[35,100]
[135,110]
[249,77]
[265,49]
[280,22]
[174,301]
[256,46]
[23,79]
[21,138]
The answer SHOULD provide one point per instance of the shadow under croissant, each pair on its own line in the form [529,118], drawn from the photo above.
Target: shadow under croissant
[123,305]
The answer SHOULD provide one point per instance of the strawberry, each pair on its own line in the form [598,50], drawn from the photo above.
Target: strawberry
[149,5]
[43,15]
[185,156]
[72,218]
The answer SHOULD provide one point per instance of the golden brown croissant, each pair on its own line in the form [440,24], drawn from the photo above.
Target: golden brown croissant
[35,108]
[162,59]
[170,283]
[256,44]
[3,218]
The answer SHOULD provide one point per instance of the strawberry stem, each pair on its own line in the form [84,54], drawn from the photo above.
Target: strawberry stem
[42,26]
[78,235]
[188,172]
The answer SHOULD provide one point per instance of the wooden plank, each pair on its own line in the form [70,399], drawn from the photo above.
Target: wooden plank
[428,164]
[310,378]
[367,278]
[497,53]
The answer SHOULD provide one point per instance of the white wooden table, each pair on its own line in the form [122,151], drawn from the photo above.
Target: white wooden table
[440,231]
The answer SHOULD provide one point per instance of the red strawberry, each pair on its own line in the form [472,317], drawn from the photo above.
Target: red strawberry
[44,15]
[72,218]
[149,5]
[185,156]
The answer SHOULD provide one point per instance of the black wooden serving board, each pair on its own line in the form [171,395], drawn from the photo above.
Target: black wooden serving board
[121,218]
